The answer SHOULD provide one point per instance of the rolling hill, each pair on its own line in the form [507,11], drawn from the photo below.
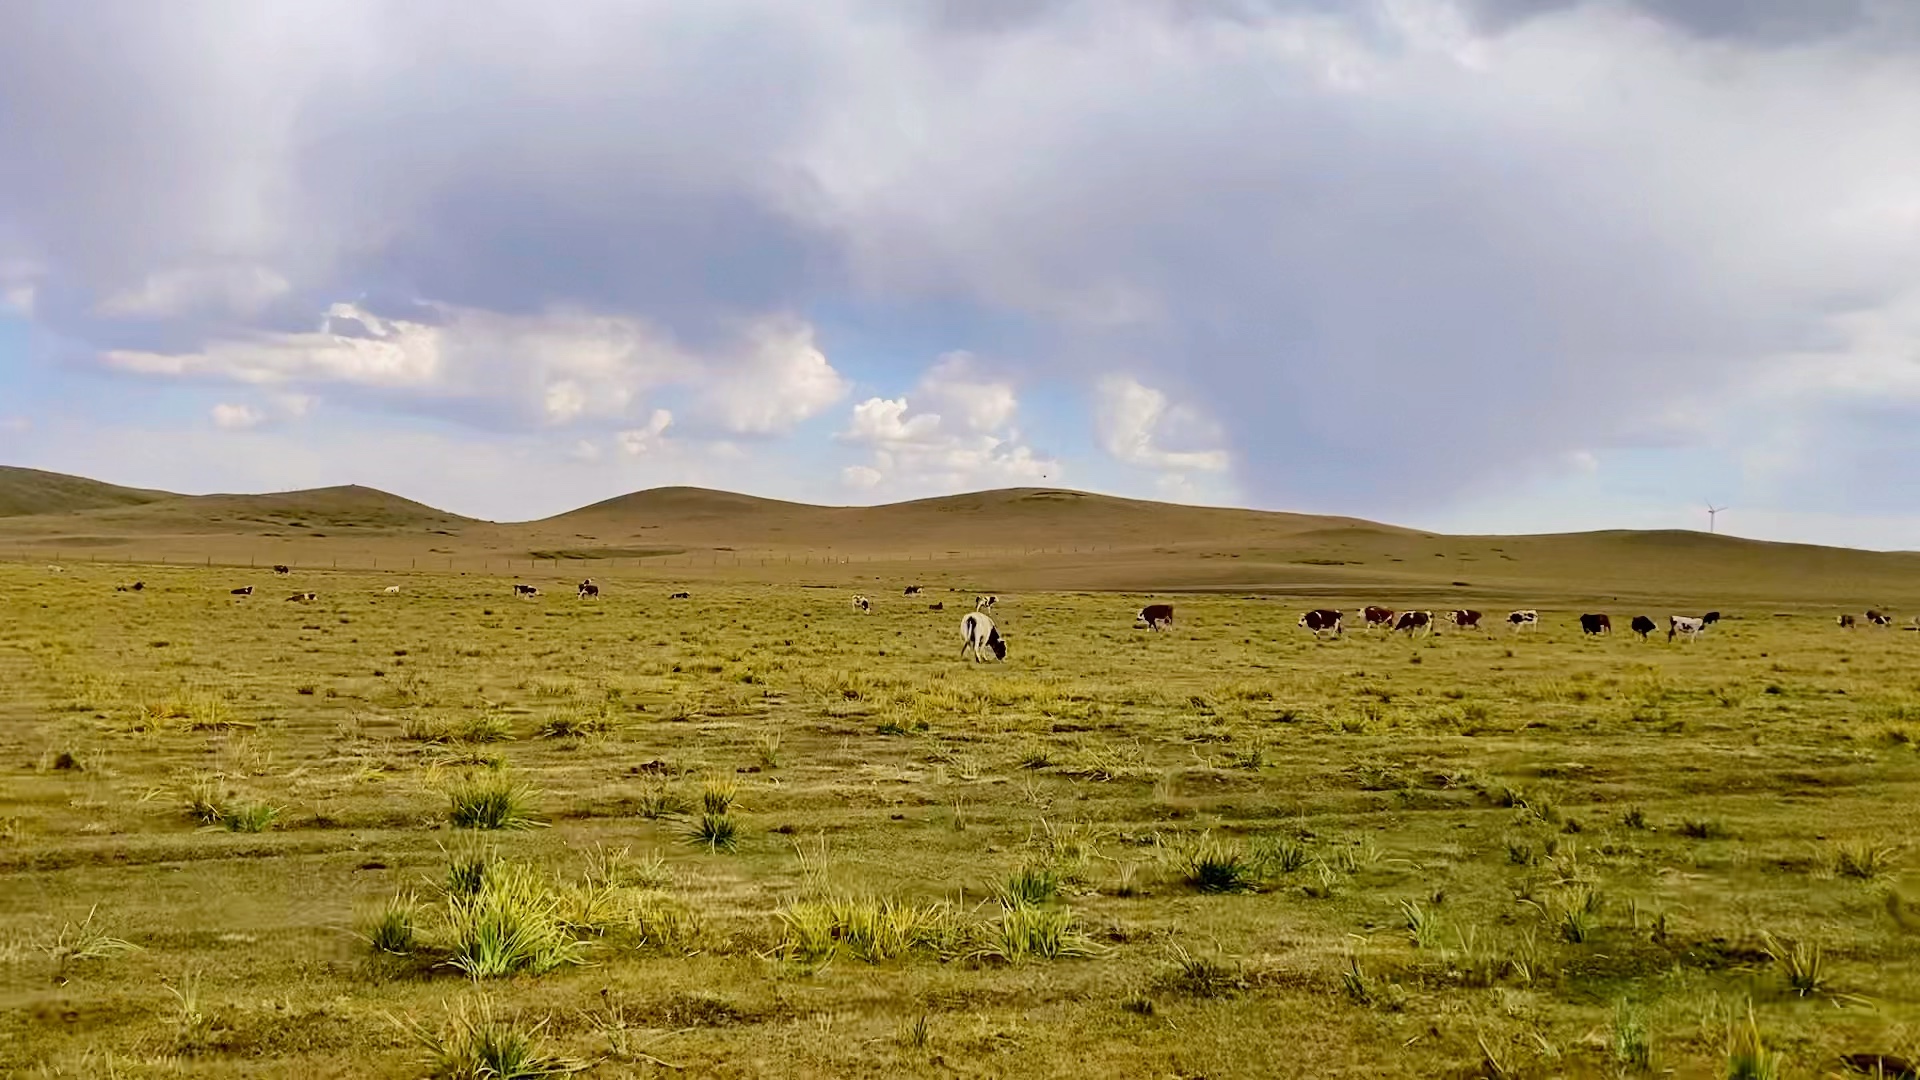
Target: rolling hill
[1020,538]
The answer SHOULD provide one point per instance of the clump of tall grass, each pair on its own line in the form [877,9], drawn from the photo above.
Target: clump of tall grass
[391,929]
[1801,962]
[1630,1041]
[767,749]
[482,1045]
[1703,828]
[511,924]
[1862,859]
[717,794]
[870,929]
[1024,932]
[1747,1055]
[1203,976]
[1028,885]
[576,723]
[249,817]
[1214,867]
[714,832]
[207,800]
[1281,855]
[491,800]
[83,941]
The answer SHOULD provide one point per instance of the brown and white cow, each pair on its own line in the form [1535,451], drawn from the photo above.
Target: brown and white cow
[1155,616]
[1879,618]
[1371,617]
[1464,619]
[1846,622]
[1322,620]
[1596,624]
[1415,622]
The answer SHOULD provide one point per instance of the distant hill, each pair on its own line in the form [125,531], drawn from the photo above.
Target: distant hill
[31,491]
[1012,539]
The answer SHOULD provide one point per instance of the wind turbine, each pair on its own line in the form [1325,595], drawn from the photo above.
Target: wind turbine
[1713,513]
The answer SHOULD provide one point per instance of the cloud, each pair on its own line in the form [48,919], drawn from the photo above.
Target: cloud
[1135,424]
[1366,240]
[237,417]
[952,432]
[15,425]
[643,440]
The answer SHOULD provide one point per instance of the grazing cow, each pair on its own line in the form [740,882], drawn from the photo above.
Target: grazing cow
[1524,620]
[979,634]
[52,569]
[525,590]
[135,587]
[1320,620]
[681,596]
[244,590]
[864,605]
[1156,616]
[1371,617]
[302,597]
[985,603]
[1596,624]
[278,569]
[938,605]
[913,590]
[1846,622]
[1464,619]
[391,590]
[1684,624]
[588,590]
[1709,618]
[1643,626]
[1879,618]
[1415,622]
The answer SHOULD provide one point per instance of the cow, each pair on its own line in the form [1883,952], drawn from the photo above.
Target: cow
[52,569]
[1879,618]
[244,590]
[938,605]
[279,569]
[1156,616]
[912,590]
[1846,622]
[985,603]
[135,587]
[1371,617]
[302,597]
[588,590]
[1464,619]
[1709,618]
[681,596]
[391,590]
[1523,620]
[1596,624]
[863,605]
[1684,624]
[1320,620]
[1643,626]
[520,589]
[979,634]
[1415,622]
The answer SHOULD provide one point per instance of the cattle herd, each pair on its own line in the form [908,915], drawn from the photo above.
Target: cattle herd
[1333,621]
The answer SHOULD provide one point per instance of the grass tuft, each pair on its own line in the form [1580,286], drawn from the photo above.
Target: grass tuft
[1801,963]
[717,795]
[510,925]
[715,832]
[1028,885]
[491,800]
[391,929]
[481,1045]
[1861,859]
[1212,867]
[83,941]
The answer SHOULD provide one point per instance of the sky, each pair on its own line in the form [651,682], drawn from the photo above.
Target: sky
[1470,265]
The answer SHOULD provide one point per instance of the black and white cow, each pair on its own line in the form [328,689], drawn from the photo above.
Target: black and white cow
[1321,620]
[863,605]
[1465,619]
[1371,617]
[1879,618]
[1156,616]
[520,589]
[303,597]
[985,603]
[1596,624]
[1684,624]
[913,590]
[978,635]
[681,596]
[588,590]
[1525,619]
[391,590]
[244,590]
[1643,626]
[1415,622]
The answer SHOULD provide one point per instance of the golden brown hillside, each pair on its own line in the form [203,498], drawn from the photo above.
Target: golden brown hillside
[1014,539]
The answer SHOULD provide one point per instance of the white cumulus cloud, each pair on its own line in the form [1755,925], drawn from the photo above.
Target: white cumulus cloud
[237,417]
[953,431]
[1139,426]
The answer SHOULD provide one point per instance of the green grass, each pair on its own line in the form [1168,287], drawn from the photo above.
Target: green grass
[479,1044]
[1117,854]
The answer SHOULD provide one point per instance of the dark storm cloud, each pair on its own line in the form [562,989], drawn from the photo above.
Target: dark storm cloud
[1774,22]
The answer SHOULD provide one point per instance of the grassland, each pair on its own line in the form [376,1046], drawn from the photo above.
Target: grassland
[757,833]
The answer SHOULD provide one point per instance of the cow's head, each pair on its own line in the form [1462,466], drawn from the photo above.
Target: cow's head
[999,646]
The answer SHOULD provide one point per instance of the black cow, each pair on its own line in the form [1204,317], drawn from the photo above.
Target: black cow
[1710,618]
[1465,619]
[681,596]
[1643,626]
[1846,622]
[1156,616]
[244,590]
[1596,624]
[913,590]
[279,569]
